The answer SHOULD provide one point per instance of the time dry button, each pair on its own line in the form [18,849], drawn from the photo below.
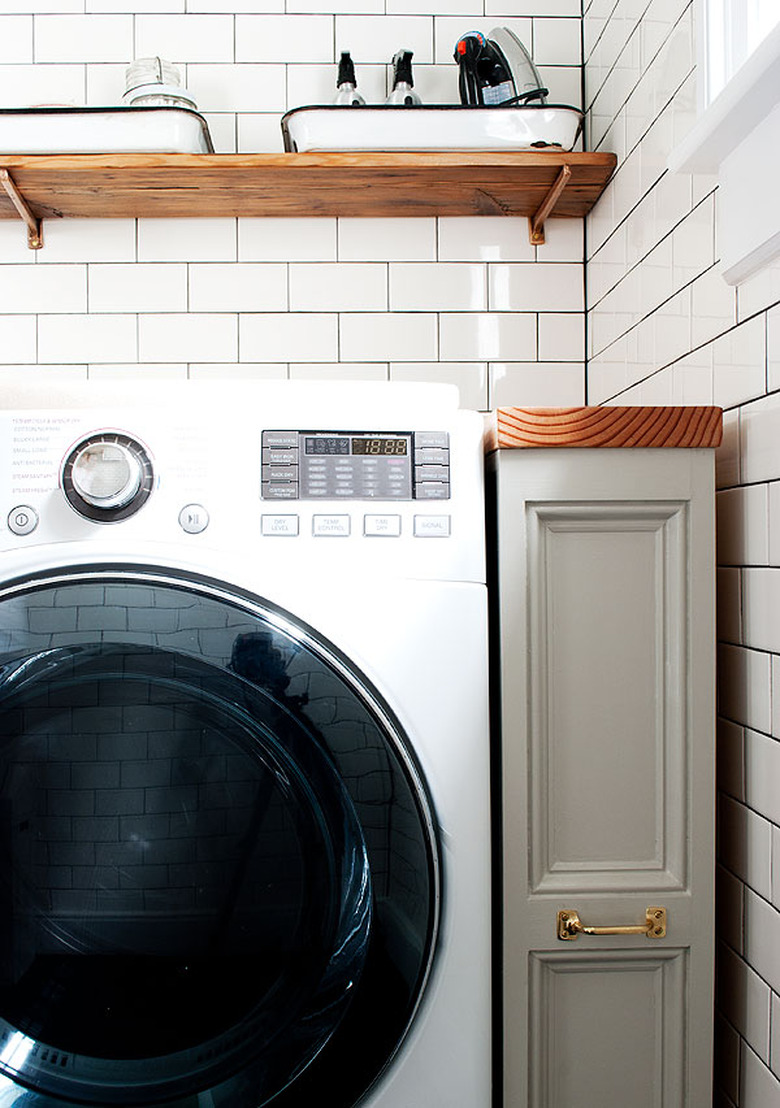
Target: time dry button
[22,520]
[389,526]
[193,518]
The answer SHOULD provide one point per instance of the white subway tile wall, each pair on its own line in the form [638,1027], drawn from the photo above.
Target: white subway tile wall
[468,301]
[663,327]
[465,300]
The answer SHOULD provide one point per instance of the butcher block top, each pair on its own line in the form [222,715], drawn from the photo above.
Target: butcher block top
[524,428]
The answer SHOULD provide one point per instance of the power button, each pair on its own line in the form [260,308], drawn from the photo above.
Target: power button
[22,520]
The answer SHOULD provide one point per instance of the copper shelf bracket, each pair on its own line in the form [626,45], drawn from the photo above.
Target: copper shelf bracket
[536,222]
[34,226]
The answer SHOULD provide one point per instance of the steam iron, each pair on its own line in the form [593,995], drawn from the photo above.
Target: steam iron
[497,69]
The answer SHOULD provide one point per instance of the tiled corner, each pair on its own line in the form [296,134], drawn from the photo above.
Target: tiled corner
[741,990]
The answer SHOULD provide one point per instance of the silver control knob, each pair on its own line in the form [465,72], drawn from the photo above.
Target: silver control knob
[107,477]
[106,474]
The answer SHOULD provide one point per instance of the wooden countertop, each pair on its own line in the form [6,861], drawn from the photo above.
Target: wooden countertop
[524,428]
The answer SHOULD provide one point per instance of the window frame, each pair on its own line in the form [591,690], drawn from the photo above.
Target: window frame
[723,41]
[737,137]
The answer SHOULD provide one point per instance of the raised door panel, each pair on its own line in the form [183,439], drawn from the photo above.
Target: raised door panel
[610,1030]
[606,596]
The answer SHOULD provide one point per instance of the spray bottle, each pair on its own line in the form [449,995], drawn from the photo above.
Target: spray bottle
[403,83]
[347,95]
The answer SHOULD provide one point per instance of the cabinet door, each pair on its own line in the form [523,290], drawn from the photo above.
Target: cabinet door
[607,674]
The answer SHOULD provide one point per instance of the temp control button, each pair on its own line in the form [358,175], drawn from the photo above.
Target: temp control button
[432,527]
[331,526]
[22,520]
[381,526]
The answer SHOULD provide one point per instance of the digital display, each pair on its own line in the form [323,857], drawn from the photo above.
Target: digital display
[327,444]
[378,447]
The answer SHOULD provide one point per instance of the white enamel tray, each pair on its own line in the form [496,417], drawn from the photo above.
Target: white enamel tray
[125,130]
[444,127]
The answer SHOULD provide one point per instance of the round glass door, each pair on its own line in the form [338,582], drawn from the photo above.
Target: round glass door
[220,874]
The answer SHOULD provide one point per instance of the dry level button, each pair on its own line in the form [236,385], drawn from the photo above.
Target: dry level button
[287,526]
[376,525]
[432,527]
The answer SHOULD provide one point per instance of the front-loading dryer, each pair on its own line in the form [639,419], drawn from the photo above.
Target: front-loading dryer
[244,810]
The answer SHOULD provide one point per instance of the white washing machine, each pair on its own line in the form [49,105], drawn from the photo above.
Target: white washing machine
[244,768]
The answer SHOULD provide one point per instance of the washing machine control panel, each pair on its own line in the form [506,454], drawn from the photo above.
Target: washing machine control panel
[347,482]
[355,465]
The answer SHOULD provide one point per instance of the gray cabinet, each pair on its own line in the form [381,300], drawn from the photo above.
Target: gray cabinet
[605,647]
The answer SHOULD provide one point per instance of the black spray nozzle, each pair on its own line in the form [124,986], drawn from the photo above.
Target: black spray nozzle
[402,68]
[346,70]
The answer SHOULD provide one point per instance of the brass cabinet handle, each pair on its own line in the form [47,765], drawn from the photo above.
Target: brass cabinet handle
[654,927]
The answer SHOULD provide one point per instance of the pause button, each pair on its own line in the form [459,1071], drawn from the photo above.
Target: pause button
[193,518]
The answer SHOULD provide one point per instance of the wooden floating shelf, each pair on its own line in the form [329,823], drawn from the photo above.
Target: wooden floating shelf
[538,185]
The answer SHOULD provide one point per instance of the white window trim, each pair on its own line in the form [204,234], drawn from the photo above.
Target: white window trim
[737,137]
